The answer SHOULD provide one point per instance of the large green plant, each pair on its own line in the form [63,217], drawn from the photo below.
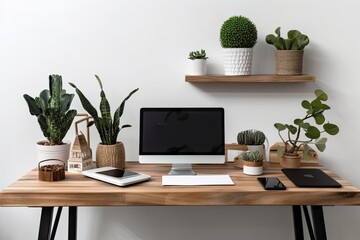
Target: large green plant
[295,41]
[52,110]
[107,126]
[314,111]
[238,32]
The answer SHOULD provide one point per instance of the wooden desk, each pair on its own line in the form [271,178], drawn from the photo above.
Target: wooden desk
[77,190]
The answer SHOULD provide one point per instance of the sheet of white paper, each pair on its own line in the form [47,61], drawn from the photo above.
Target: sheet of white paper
[199,180]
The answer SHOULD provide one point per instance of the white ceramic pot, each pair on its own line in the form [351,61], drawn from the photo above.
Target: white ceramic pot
[61,152]
[254,171]
[196,67]
[238,61]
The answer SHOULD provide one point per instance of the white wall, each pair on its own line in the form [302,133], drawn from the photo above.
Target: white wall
[145,44]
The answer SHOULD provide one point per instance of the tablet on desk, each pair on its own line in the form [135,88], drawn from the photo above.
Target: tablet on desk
[116,176]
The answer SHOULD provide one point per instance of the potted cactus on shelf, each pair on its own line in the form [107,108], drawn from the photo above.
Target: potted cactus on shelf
[252,163]
[292,142]
[197,62]
[290,51]
[109,152]
[238,36]
[54,117]
[253,139]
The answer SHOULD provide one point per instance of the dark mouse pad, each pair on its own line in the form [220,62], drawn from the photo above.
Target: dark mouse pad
[310,178]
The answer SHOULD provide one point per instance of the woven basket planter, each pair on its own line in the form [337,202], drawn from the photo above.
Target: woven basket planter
[289,62]
[110,155]
[290,161]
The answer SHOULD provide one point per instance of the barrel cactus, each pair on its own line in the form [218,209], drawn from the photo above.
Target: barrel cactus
[238,32]
[52,110]
[251,137]
[252,156]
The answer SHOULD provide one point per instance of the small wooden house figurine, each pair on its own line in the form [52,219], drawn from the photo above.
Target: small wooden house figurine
[81,153]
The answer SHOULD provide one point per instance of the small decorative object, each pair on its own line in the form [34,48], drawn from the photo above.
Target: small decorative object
[51,172]
[290,51]
[292,144]
[81,153]
[54,117]
[197,63]
[253,163]
[274,158]
[238,36]
[253,139]
[109,152]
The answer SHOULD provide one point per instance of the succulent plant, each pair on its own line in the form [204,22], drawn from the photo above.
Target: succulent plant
[238,32]
[251,137]
[52,110]
[107,127]
[296,40]
[314,110]
[197,55]
[255,156]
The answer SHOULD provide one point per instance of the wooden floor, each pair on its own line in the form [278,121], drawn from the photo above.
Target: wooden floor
[77,190]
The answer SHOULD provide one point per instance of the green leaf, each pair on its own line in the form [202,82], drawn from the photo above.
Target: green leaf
[321,95]
[325,107]
[288,43]
[306,152]
[33,107]
[280,151]
[316,104]
[306,104]
[298,121]
[321,144]
[90,123]
[312,132]
[331,129]
[125,126]
[292,129]
[85,103]
[319,118]
[279,126]
[277,31]
[293,33]
[270,39]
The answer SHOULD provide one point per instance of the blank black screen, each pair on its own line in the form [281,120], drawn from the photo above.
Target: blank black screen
[182,131]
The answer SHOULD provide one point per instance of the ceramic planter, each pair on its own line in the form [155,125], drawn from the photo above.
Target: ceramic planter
[253,168]
[289,62]
[238,61]
[110,155]
[60,152]
[289,161]
[197,67]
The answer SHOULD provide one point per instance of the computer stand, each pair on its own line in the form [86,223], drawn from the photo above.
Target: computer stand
[181,169]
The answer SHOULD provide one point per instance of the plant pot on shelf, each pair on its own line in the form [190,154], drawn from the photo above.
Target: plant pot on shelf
[110,155]
[290,161]
[196,67]
[60,152]
[289,62]
[238,61]
[253,168]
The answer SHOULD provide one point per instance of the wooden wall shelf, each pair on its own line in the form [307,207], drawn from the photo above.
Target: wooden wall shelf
[258,78]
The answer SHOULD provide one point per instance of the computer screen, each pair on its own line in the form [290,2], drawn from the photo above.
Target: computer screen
[181,135]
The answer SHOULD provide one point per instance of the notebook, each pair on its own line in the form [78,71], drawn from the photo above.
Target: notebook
[310,178]
[198,180]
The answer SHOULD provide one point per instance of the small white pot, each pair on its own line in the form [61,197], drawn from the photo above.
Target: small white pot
[61,152]
[254,171]
[238,61]
[196,67]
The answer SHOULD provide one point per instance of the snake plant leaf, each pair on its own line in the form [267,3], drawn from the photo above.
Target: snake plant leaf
[331,129]
[125,126]
[306,104]
[312,132]
[279,126]
[292,129]
[321,95]
[33,107]
[90,123]
[120,110]
[321,144]
[85,102]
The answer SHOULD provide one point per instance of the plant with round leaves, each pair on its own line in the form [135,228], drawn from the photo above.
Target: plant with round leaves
[251,137]
[255,156]
[108,127]
[314,110]
[197,55]
[295,41]
[238,32]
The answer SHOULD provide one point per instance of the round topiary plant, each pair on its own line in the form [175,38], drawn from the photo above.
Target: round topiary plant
[238,32]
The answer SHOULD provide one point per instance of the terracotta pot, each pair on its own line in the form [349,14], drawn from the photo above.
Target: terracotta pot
[110,155]
[289,62]
[288,161]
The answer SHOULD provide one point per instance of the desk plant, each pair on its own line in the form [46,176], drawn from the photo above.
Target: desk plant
[109,152]
[238,36]
[253,163]
[312,134]
[290,51]
[54,117]
[197,63]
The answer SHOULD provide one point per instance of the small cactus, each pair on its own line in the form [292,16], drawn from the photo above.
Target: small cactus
[251,137]
[197,55]
[252,156]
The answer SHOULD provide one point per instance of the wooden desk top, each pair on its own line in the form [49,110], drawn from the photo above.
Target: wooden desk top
[77,190]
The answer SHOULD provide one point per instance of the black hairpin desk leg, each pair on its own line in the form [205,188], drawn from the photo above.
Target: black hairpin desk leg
[319,222]
[45,223]
[298,226]
[72,223]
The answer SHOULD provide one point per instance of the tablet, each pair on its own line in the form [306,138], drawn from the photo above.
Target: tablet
[116,176]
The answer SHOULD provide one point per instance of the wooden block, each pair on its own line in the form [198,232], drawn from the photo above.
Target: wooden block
[233,146]
[274,158]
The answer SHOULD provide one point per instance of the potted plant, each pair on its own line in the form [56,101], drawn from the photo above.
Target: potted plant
[312,134]
[290,51]
[238,36]
[54,117]
[197,62]
[252,163]
[109,152]
[253,139]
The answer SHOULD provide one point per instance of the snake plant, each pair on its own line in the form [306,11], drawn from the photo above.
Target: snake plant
[107,126]
[52,110]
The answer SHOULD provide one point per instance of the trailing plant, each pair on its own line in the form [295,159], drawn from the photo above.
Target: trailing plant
[52,110]
[238,32]
[251,137]
[295,41]
[107,126]
[252,156]
[315,111]
[197,55]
